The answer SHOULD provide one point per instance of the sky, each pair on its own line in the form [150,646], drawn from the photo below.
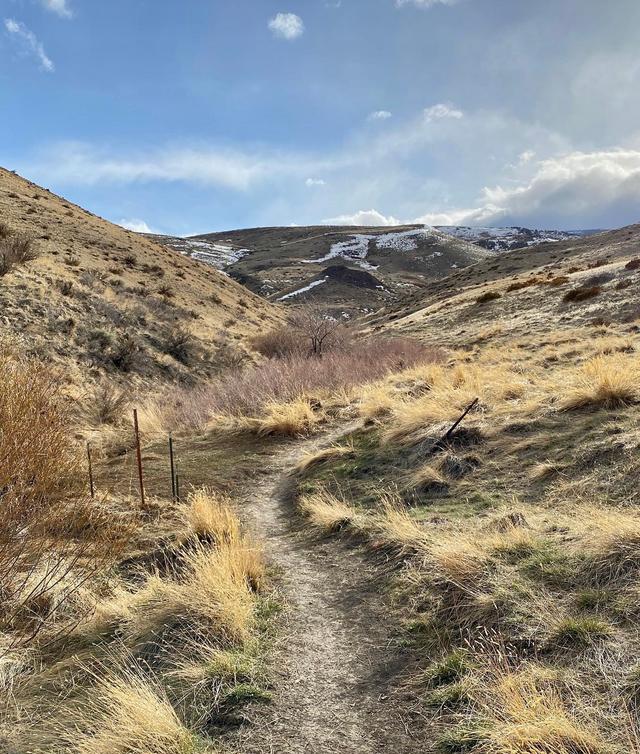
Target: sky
[191,116]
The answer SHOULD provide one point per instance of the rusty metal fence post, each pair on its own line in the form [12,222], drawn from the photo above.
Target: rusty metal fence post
[139,454]
[91,485]
[174,492]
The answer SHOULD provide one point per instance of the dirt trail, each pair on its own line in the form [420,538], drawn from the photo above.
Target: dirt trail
[337,657]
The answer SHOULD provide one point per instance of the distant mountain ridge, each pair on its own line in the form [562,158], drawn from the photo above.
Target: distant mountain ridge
[510,238]
[320,263]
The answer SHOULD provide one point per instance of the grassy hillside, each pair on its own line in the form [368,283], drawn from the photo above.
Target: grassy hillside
[530,292]
[483,598]
[287,262]
[95,298]
[517,533]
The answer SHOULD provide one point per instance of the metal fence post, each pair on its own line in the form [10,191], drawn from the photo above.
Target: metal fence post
[139,454]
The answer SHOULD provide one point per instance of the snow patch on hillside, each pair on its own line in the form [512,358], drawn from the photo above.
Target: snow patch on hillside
[506,239]
[218,255]
[357,247]
[309,287]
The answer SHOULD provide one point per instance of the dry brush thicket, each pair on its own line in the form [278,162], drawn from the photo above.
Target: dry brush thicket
[519,539]
[112,639]
[294,388]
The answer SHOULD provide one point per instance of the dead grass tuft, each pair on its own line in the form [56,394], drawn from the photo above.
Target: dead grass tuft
[527,719]
[317,458]
[604,382]
[211,517]
[328,513]
[127,713]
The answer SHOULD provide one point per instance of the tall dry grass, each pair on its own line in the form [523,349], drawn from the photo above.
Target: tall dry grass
[127,712]
[610,381]
[52,537]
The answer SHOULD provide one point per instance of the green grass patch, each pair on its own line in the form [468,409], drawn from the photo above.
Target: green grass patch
[464,738]
[449,697]
[450,669]
[580,633]
[244,693]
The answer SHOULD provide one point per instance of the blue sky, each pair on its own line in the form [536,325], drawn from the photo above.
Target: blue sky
[204,115]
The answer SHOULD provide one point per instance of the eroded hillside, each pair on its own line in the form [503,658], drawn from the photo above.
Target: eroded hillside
[99,299]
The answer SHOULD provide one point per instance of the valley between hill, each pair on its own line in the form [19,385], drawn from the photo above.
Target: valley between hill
[346,567]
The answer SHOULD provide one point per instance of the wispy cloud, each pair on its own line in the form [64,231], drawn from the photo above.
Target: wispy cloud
[287,26]
[311,182]
[442,110]
[77,163]
[29,43]
[60,7]
[380,115]
[425,3]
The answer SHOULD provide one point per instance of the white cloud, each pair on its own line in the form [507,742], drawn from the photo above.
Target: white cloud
[287,26]
[571,189]
[29,43]
[380,115]
[60,7]
[136,225]
[80,164]
[575,189]
[368,218]
[441,111]
[425,3]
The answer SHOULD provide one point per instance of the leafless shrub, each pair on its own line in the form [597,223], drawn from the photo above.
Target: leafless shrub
[124,353]
[107,405]
[15,250]
[485,298]
[51,536]
[181,344]
[317,330]
[246,391]
[520,284]
[279,344]
[310,331]
[584,293]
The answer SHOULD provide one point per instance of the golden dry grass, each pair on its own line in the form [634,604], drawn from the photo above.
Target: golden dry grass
[127,713]
[611,381]
[287,419]
[209,514]
[397,528]
[316,458]
[613,544]
[328,513]
[217,594]
[527,717]
[426,478]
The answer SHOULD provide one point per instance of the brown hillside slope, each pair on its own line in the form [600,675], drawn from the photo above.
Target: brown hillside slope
[100,299]
[530,292]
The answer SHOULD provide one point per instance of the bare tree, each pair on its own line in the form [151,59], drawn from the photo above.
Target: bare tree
[319,330]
